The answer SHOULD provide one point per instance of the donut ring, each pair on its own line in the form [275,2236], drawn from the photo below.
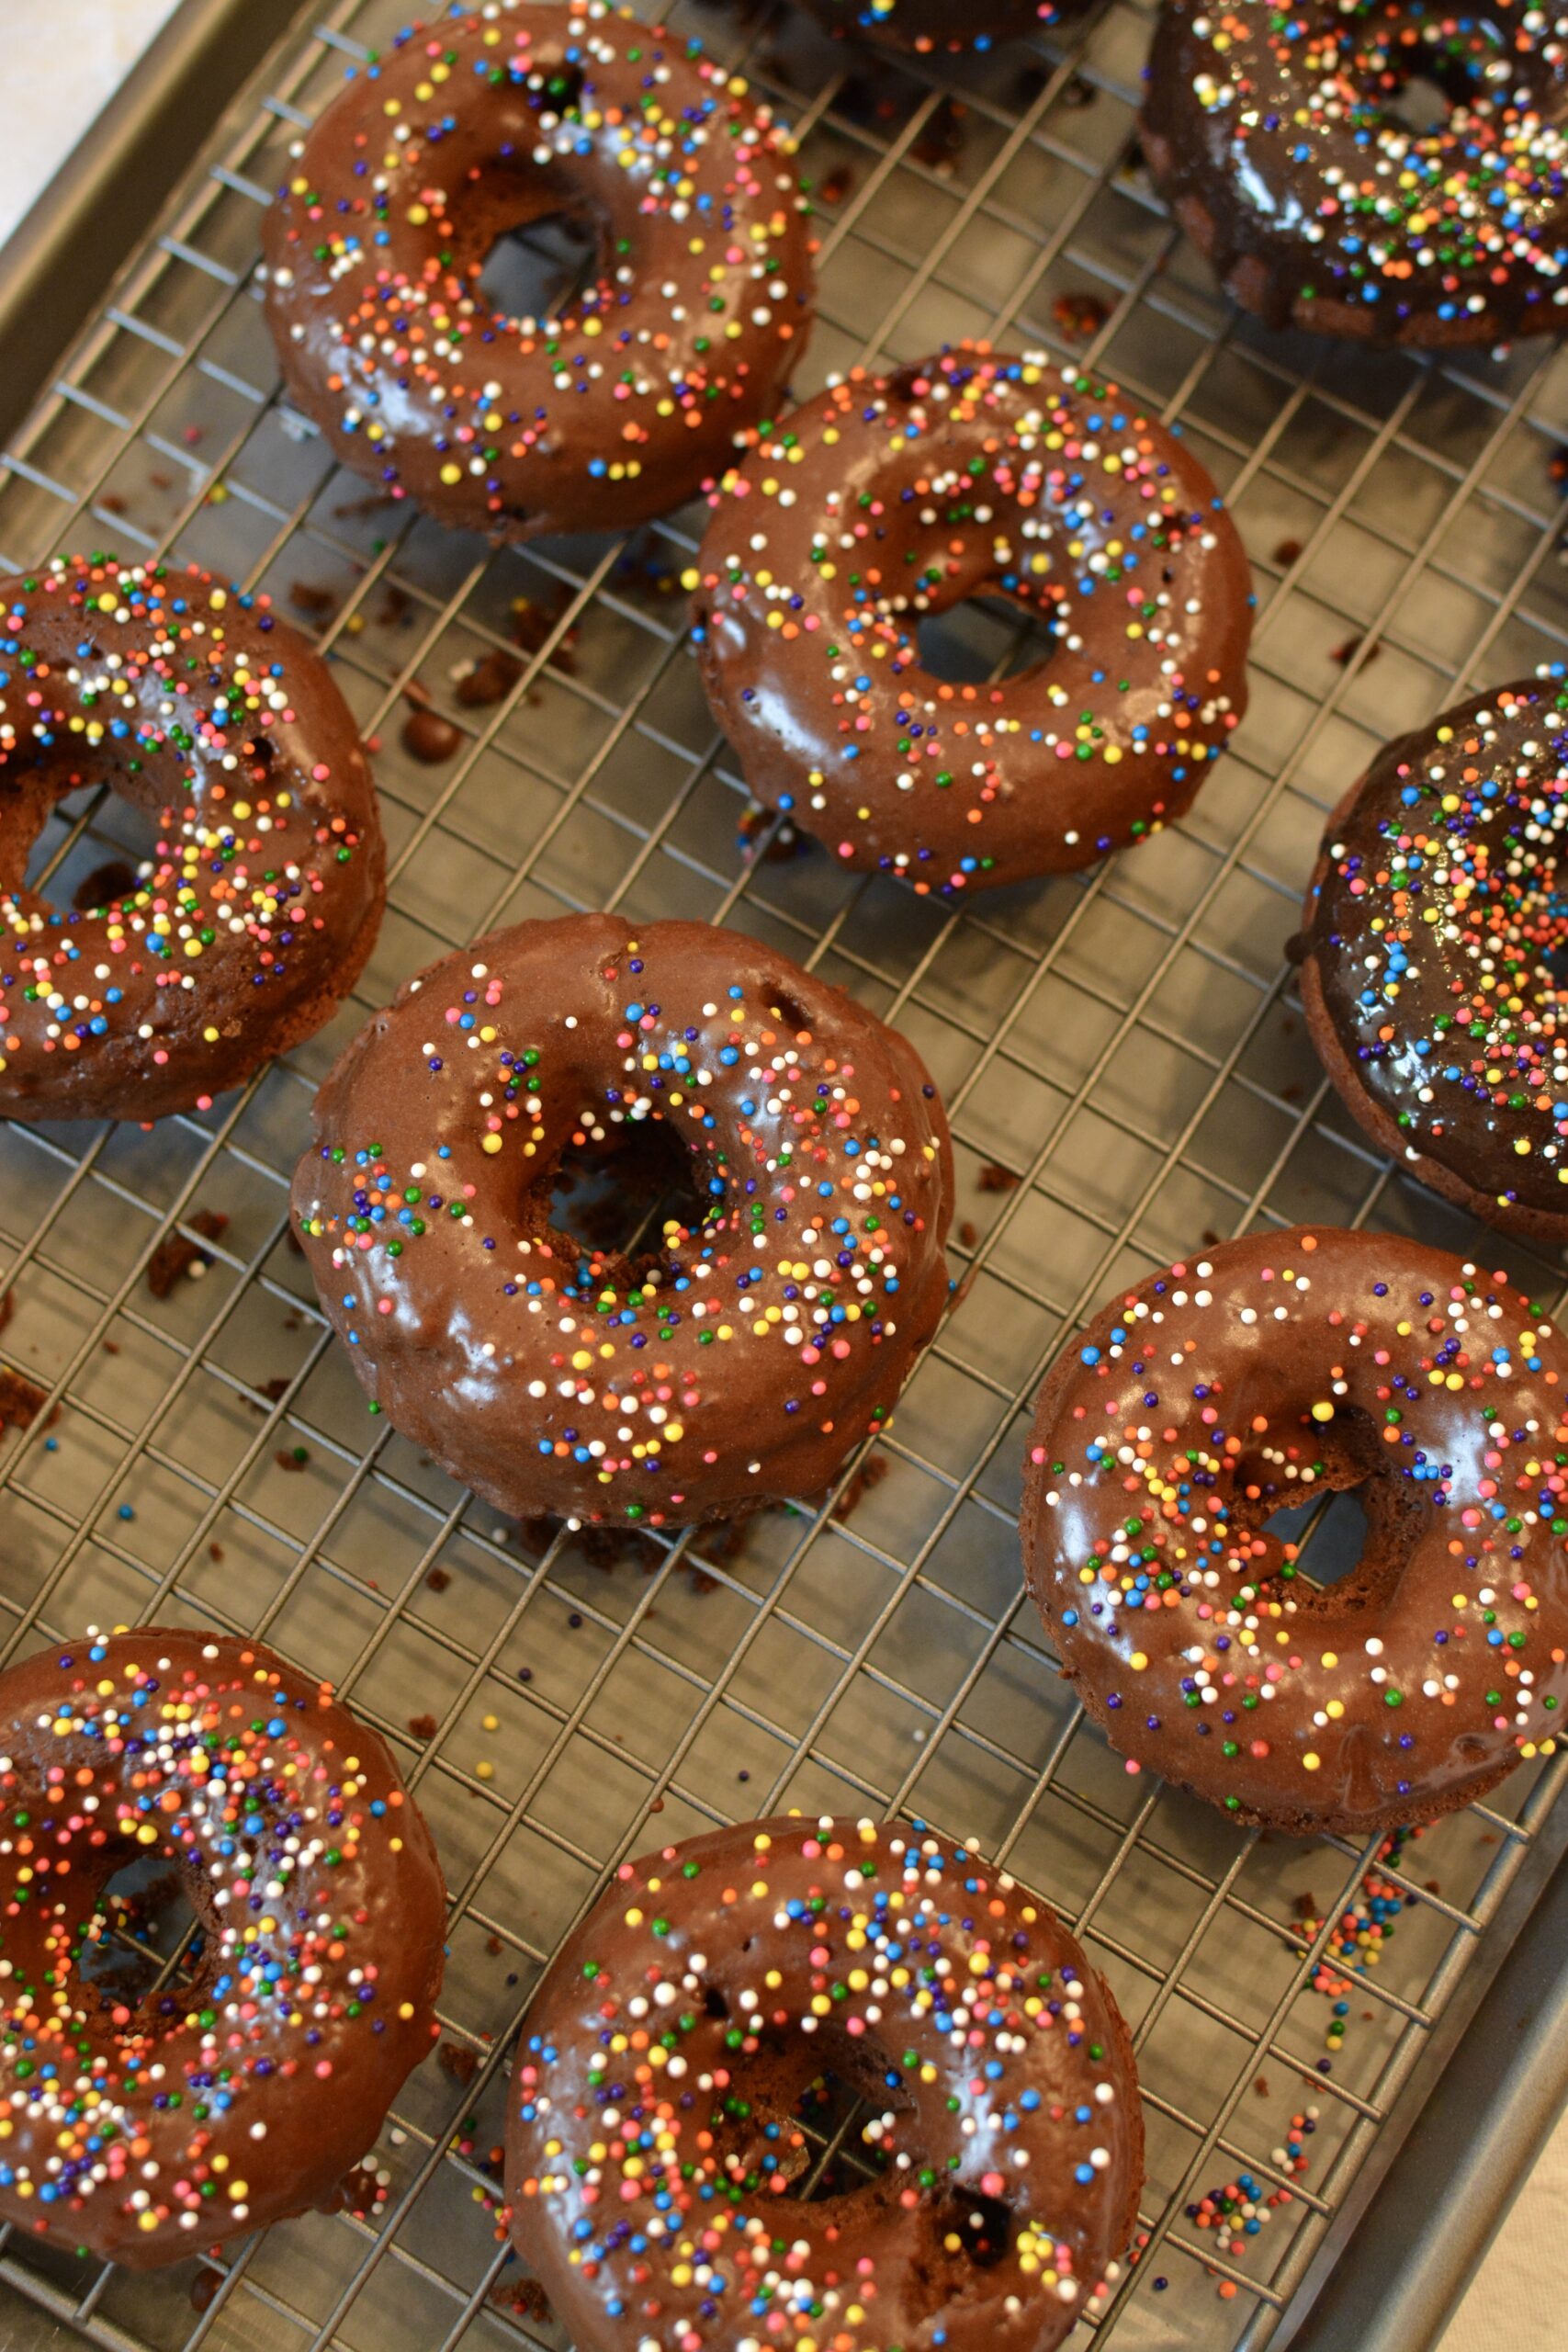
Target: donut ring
[896,496]
[932,26]
[650,2138]
[1433,910]
[1280,1365]
[518,426]
[146,2132]
[264,897]
[1257,124]
[740,1361]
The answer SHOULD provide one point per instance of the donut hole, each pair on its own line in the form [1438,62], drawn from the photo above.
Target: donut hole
[146,1933]
[980,640]
[1422,105]
[1354,1524]
[617,1197]
[1330,1532]
[539,268]
[983,2225]
[90,848]
[832,2114]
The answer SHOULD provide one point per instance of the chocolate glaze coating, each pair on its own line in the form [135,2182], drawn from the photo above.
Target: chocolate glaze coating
[1276,140]
[264,895]
[740,1362]
[886,500]
[920,1976]
[942,25]
[1433,913]
[596,420]
[1239,1384]
[146,2131]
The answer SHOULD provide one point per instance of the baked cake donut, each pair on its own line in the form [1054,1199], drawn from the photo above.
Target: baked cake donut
[476,125]
[737,1359]
[888,499]
[261,898]
[1277,138]
[936,26]
[1434,930]
[651,2142]
[145,2129]
[1241,1382]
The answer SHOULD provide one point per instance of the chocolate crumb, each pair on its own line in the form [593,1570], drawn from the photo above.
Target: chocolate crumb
[1346,653]
[214,1552]
[204,2289]
[319,603]
[423,1726]
[489,681]
[1287,551]
[176,1254]
[941,139]
[291,1457]
[1079,314]
[458,2060]
[523,2298]
[19,1401]
[968,1234]
[995,1178]
[438,1579]
[429,738]
[787,842]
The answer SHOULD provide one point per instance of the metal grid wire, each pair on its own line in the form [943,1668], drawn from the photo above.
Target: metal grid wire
[1126,1072]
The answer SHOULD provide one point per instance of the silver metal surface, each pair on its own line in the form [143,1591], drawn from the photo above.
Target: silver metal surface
[1127,1073]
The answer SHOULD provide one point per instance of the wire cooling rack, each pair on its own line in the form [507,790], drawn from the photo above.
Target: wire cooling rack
[1127,1073]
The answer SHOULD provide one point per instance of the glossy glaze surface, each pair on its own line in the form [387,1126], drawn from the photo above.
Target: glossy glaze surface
[1434,935]
[1245,1380]
[262,893]
[616,406]
[651,2147]
[1383,170]
[738,1357]
[889,500]
[245,2090]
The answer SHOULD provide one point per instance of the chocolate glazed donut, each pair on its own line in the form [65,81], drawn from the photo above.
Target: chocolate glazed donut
[652,2146]
[1244,1381]
[1276,139]
[263,898]
[738,1359]
[889,500]
[932,24]
[145,2130]
[1429,981]
[614,410]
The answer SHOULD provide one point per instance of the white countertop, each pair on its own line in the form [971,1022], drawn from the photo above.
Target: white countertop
[62,59]
[62,63]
